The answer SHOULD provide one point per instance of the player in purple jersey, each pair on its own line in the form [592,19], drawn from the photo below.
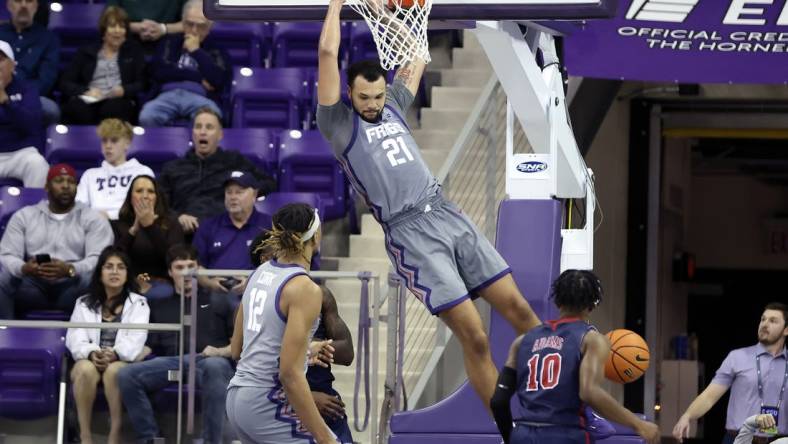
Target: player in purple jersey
[556,369]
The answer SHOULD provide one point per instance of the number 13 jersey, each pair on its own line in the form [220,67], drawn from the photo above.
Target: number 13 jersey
[264,325]
[381,159]
[548,373]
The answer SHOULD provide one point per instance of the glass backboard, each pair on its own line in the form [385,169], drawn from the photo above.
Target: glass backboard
[303,10]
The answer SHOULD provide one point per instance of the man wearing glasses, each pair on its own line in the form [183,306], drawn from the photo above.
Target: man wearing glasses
[189,72]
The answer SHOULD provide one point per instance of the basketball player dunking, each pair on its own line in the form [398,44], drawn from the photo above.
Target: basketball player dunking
[443,258]
[556,368]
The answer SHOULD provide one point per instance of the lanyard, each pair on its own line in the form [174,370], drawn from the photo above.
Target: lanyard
[760,381]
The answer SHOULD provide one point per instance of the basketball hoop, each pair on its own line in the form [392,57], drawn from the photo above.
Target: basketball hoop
[399,29]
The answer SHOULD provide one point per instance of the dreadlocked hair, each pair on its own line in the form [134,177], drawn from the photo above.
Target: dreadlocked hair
[577,290]
[289,224]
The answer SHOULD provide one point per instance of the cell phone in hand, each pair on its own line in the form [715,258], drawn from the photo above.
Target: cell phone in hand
[43,258]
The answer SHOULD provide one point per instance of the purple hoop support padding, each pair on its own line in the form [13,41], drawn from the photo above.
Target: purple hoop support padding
[529,238]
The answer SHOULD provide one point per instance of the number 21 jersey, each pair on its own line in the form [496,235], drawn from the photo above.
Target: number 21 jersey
[548,373]
[381,159]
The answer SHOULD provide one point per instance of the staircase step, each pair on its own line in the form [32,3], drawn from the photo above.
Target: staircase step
[371,226]
[468,58]
[367,246]
[465,77]
[469,41]
[434,160]
[445,119]
[455,96]
[375,265]
[431,139]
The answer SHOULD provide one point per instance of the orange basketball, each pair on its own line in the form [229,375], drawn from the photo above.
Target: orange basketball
[629,356]
[405,4]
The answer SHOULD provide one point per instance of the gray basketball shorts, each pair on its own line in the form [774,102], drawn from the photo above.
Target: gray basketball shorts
[442,256]
[263,416]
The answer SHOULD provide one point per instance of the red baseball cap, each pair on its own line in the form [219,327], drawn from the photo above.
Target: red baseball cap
[61,169]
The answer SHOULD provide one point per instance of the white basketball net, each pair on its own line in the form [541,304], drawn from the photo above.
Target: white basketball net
[400,32]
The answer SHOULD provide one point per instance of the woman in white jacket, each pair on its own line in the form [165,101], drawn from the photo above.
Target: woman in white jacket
[99,354]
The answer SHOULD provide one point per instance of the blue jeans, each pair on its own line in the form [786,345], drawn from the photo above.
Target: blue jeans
[159,289]
[173,105]
[138,379]
[25,294]
[50,111]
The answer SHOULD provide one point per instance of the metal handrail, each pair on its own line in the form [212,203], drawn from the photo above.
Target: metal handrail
[186,320]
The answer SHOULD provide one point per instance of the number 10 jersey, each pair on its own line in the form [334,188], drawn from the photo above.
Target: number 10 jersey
[548,373]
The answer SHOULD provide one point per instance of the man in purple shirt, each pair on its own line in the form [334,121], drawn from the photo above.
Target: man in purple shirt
[20,121]
[757,377]
[223,241]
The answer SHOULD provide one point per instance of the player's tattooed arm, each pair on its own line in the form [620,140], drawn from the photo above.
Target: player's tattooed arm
[410,74]
[337,330]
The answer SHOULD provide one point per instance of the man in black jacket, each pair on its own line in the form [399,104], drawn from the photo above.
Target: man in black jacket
[214,368]
[190,71]
[194,184]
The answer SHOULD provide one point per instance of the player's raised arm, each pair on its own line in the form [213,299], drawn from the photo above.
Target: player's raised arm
[328,87]
[596,349]
[411,73]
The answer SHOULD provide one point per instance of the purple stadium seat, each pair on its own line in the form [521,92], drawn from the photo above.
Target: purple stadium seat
[307,164]
[10,182]
[260,145]
[30,362]
[78,146]
[295,43]
[14,198]
[270,98]
[362,46]
[243,41]
[274,201]
[77,25]
[156,146]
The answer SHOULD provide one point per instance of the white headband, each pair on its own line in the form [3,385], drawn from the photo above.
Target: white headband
[312,228]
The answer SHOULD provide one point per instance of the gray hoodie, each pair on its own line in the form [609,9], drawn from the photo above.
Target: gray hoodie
[77,239]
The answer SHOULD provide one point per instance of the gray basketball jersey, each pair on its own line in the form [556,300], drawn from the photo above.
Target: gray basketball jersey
[381,159]
[264,325]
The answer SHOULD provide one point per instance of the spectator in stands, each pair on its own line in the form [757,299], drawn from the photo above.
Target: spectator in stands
[37,52]
[214,368]
[105,188]
[331,327]
[49,250]
[152,19]
[146,229]
[223,241]
[190,72]
[105,77]
[99,354]
[20,123]
[194,184]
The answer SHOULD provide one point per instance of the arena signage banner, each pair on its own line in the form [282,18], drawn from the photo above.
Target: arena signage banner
[687,41]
